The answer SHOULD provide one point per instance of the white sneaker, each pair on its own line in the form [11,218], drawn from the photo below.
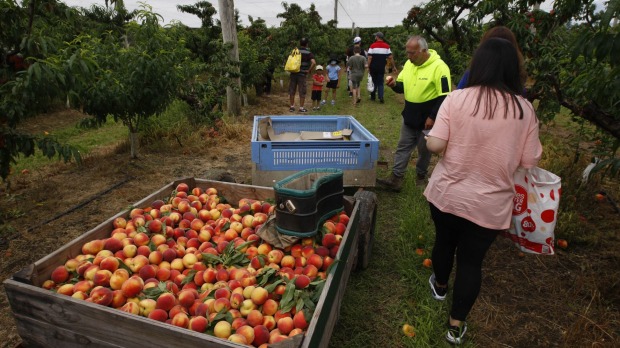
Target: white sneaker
[333,102]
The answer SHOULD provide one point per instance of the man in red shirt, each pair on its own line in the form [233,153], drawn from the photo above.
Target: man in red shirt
[379,54]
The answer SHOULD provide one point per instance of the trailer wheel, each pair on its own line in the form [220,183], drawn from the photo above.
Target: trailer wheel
[368,218]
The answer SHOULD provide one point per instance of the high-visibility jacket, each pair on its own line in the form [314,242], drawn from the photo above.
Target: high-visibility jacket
[425,87]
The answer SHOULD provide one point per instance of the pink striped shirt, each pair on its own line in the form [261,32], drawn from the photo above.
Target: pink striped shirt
[474,178]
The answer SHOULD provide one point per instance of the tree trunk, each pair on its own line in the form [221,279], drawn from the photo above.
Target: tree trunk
[229,34]
[134,144]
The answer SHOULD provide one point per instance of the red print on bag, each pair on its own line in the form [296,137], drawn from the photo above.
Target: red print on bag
[548,215]
[520,200]
[528,224]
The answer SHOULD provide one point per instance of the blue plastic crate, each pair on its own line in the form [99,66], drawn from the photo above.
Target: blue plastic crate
[359,153]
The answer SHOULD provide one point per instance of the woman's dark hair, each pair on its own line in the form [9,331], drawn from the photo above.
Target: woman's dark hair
[505,33]
[495,68]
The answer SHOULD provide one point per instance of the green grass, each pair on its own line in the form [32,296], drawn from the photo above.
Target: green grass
[85,140]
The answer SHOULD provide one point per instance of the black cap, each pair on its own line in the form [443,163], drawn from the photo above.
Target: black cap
[379,35]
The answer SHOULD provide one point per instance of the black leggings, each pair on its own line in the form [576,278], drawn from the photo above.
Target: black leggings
[470,242]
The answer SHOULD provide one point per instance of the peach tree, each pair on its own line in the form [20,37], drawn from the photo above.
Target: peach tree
[571,52]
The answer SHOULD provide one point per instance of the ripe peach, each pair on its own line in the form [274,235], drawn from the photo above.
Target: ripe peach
[102,277]
[132,286]
[302,281]
[285,325]
[246,331]
[259,295]
[118,278]
[198,324]
[261,335]
[254,318]
[221,304]
[316,260]
[118,299]
[131,307]
[299,320]
[60,274]
[222,329]
[101,295]
[158,314]
[270,307]
[181,320]
[237,338]
[246,307]
[269,322]
[147,305]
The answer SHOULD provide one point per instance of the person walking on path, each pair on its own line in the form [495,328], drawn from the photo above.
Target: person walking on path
[318,80]
[357,66]
[333,79]
[485,132]
[297,80]
[357,42]
[425,81]
[379,54]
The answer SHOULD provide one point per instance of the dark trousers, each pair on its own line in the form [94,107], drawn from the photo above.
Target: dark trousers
[377,80]
[470,242]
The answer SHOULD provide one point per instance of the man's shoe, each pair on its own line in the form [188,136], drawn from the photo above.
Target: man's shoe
[381,101]
[302,109]
[437,292]
[291,109]
[456,334]
[421,180]
[394,183]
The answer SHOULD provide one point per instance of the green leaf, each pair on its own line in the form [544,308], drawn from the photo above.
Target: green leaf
[271,287]
[189,277]
[122,265]
[210,259]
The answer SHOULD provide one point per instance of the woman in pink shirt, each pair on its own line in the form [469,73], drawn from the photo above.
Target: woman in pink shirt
[484,132]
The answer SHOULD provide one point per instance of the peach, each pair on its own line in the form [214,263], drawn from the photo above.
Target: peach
[118,299]
[222,329]
[302,281]
[132,286]
[299,320]
[198,324]
[176,310]
[316,260]
[101,295]
[254,318]
[102,277]
[246,307]
[147,305]
[221,304]
[118,278]
[259,295]
[237,338]
[93,247]
[270,307]
[261,335]
[131,307]
[60,274]
[264,249]
[66,289]
[275,256]
[181,320]
[295,332]
[269,322]
[285,325]
[246,331]
[148,272]
[310,271]
[158,314]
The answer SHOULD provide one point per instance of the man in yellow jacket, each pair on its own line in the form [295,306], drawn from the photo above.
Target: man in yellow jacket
[425,81]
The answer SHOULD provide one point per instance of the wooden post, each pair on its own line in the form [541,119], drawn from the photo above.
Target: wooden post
[229,34]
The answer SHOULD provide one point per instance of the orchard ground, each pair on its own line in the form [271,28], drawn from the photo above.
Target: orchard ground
[570,299]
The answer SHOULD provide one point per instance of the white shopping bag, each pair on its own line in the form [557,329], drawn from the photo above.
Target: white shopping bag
[536,202]
[369,85]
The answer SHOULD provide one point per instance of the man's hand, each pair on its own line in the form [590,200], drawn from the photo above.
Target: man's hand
[390,81]
[429,123]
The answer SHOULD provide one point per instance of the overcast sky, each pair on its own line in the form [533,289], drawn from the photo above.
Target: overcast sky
[364,13]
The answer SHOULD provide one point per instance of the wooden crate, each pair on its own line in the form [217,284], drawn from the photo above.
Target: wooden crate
[47,319]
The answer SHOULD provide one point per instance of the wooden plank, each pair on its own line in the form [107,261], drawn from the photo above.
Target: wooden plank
[92,322]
